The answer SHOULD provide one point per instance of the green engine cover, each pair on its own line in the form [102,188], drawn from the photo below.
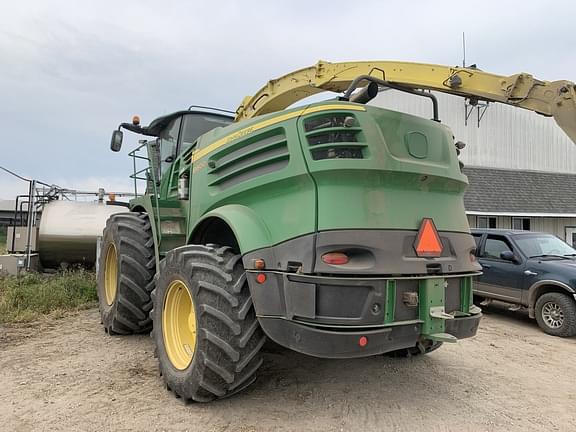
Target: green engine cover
[327,166]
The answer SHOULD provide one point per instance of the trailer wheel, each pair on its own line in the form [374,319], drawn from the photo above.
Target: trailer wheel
[556,314]
[207,336]
[126,274]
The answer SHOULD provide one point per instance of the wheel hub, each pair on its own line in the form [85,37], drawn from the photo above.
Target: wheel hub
[111,274]
[552,315]
[179,325]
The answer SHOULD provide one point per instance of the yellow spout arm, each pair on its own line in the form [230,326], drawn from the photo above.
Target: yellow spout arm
[550,98]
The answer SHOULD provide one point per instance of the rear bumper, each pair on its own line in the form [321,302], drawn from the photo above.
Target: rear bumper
[327,316]
[342,343]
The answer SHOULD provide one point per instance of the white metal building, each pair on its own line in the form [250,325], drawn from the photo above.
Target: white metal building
[7,211]
[521,165]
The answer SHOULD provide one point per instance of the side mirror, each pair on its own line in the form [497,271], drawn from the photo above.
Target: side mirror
[508,256]
[116,141]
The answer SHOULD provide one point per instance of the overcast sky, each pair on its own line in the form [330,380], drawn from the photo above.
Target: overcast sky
[72,70]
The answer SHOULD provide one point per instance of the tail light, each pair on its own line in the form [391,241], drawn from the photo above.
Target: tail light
[335,258]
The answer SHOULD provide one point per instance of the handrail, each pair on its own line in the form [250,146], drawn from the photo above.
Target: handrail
[149,173]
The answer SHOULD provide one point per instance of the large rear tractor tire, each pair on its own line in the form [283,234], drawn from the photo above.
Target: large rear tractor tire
[207,336]
[126,274]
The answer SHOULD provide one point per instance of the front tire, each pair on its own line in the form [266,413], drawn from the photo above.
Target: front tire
[556,314]
[126,274]
[207,336]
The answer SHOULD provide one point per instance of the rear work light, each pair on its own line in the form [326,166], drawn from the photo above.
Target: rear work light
[428,242]
[335,258]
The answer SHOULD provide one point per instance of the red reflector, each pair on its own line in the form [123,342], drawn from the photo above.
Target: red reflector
[335,258]
[260,278]
[363,341]
[428,242]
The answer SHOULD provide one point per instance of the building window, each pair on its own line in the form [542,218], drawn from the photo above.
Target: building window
[522,224]
[486,222]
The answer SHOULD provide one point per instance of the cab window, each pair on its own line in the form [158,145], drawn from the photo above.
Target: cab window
[197,124]
[494,246]
[168,142]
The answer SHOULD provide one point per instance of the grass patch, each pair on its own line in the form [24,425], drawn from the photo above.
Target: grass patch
[3,230]
[32,295]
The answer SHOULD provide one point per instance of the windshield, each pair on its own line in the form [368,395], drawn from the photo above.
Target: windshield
[197,124]
[543,244]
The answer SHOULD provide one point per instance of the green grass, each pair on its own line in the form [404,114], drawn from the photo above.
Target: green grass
[32,295]
[2,240]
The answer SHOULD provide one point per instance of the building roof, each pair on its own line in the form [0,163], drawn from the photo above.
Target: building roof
[515,192]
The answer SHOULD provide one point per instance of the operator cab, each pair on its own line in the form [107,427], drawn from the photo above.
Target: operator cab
[179,131]
[175,133]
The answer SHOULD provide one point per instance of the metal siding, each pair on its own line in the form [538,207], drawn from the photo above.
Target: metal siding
[554,226]
[507,137]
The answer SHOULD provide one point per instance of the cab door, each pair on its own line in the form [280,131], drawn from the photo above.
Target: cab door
[501,279]
[168,148]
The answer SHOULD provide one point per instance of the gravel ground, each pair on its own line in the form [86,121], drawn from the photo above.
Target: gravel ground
[68,375]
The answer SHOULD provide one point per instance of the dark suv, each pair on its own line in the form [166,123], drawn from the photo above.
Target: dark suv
[530,269]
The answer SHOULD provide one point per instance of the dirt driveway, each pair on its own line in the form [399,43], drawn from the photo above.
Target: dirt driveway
[68,375]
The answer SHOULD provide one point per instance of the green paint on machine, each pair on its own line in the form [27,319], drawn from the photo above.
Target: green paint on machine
[466,294]
[390,301]
[274,186]
[431,296]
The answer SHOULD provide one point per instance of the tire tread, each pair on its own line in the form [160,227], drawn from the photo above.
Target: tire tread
[569,307]
[229,337]
[132,236]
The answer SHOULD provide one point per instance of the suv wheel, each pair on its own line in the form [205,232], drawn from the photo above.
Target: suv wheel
[556,314]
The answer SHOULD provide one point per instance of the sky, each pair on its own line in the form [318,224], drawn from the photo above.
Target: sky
[71,71]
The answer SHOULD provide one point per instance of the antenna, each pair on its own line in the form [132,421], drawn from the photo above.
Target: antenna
[463,49]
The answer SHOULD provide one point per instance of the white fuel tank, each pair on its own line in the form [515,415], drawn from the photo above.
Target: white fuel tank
[68,231]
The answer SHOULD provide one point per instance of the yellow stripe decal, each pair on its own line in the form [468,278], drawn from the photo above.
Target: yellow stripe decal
[200,153]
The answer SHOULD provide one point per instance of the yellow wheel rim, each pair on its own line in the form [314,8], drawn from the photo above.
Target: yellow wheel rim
[179,325]
[111,274]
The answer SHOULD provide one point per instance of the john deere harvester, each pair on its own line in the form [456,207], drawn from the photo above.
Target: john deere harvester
[336,229]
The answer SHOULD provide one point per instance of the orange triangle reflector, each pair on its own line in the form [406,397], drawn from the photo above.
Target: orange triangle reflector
[428,242]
